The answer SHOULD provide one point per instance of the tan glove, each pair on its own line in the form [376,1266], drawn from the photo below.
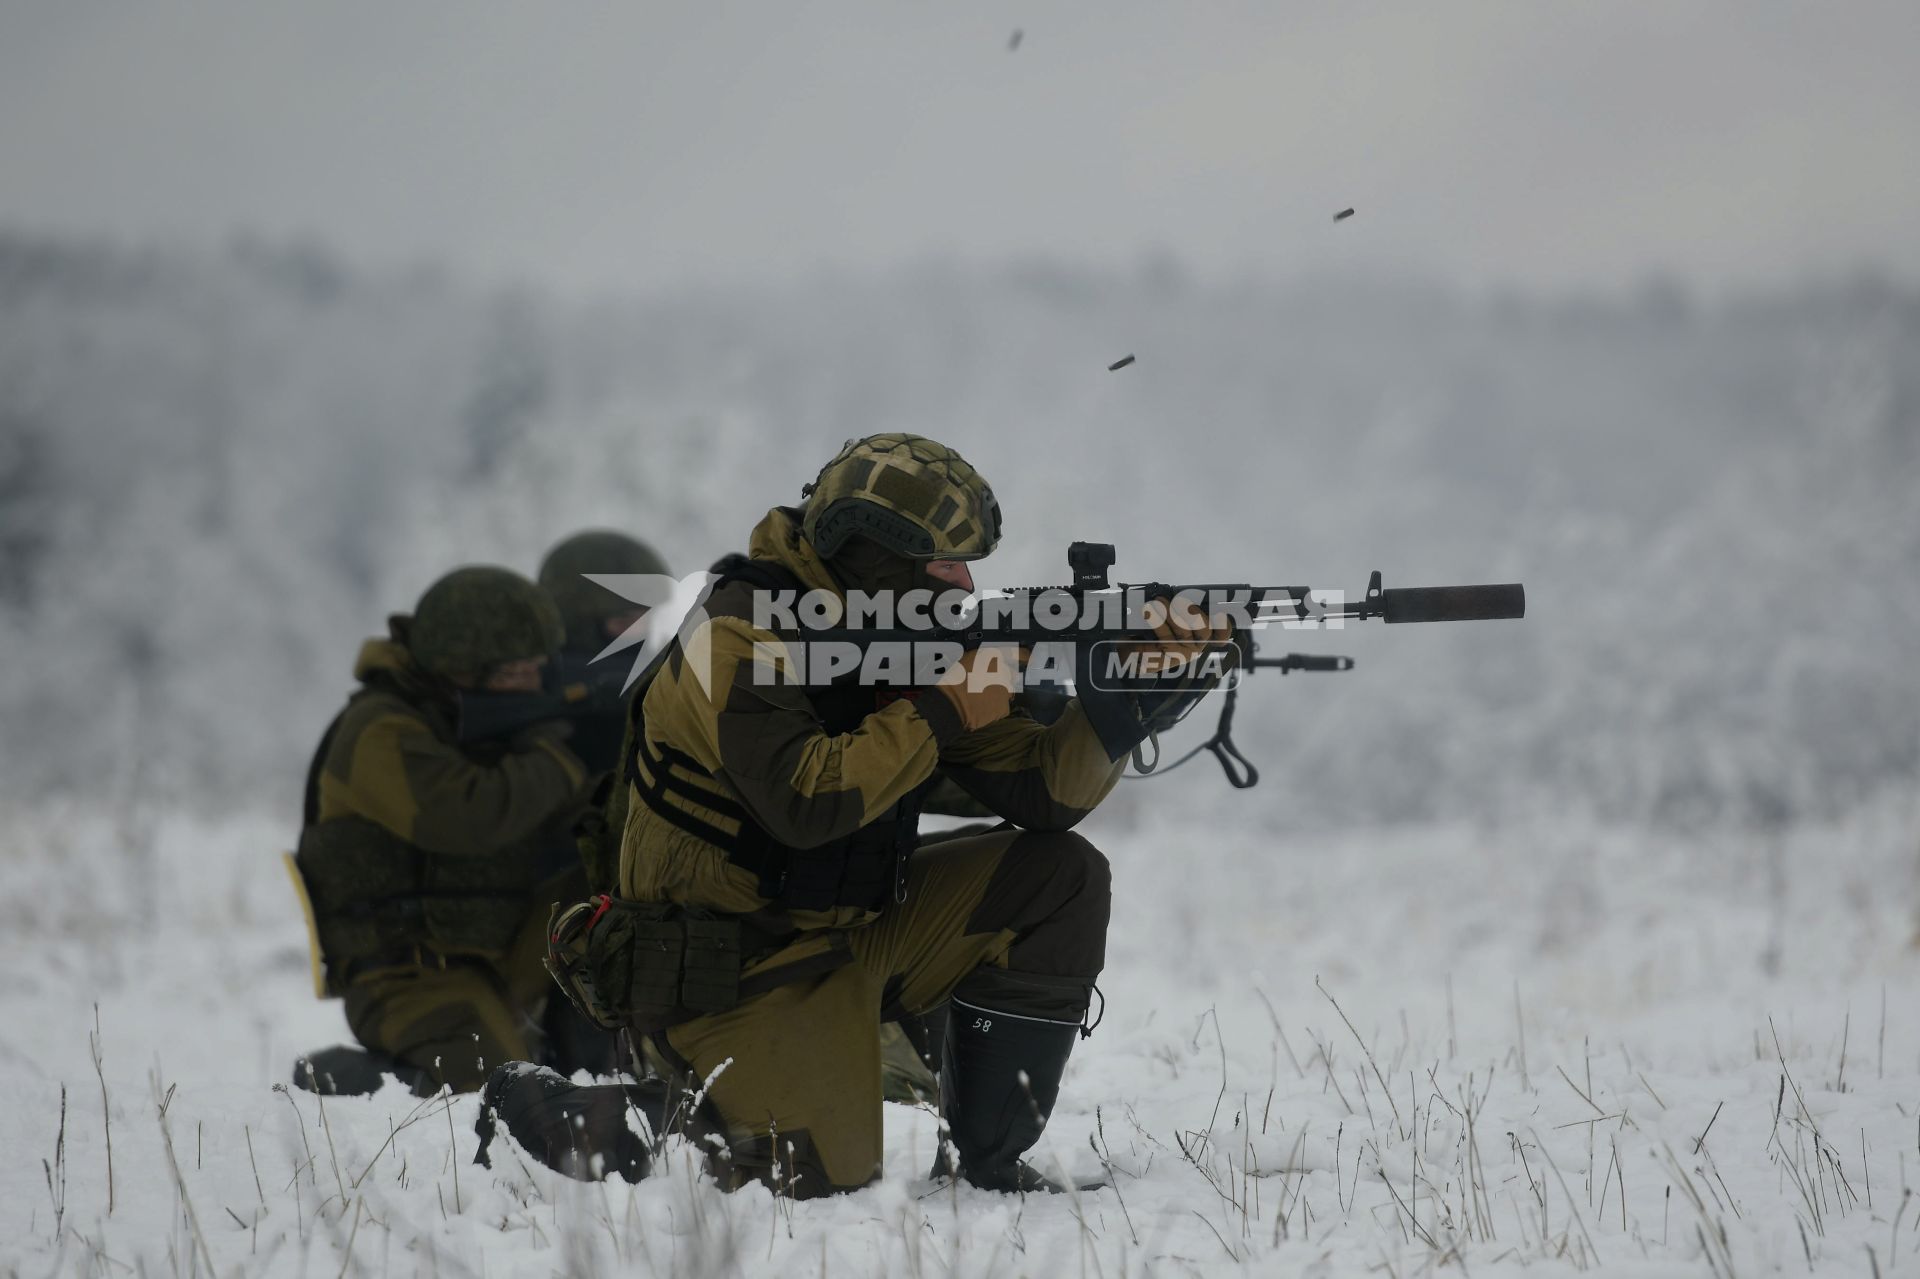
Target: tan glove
[1187,632]
[980,685]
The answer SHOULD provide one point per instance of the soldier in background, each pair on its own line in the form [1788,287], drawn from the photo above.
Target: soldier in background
[594,617]
[431,863]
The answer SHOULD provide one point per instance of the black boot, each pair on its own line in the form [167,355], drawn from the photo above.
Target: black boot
[999,1077]
[582,1130]
[346,1071]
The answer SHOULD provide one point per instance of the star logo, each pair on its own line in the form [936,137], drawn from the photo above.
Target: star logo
[674,611]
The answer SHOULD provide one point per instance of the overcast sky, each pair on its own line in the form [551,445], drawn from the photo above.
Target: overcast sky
[590,146]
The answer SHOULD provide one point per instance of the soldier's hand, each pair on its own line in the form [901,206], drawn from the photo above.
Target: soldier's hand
[980,685]
[1186,633]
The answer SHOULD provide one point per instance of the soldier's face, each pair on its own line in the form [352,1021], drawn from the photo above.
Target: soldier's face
[954,573]
[519,676]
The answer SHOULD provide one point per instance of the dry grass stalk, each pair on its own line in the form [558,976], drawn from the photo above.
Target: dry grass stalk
[56,1172]
[179,1180]
[1366,1051]
[106,1110]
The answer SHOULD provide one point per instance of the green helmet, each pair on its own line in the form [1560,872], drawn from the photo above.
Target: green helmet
[585,606]
[479,616]
[912,496]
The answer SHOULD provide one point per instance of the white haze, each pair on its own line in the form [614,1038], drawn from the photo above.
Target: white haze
[219,472]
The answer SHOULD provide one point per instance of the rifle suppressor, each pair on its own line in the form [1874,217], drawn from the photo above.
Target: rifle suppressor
[1453,603]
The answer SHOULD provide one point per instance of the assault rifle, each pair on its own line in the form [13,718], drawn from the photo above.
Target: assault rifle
[573,689]
[1099,636]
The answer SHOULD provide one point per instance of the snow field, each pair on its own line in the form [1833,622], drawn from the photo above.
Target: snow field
[1386,1052]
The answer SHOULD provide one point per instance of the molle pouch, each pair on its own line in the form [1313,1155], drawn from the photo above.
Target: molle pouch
[566,959]
[634,952]
[648,965]
[710,978]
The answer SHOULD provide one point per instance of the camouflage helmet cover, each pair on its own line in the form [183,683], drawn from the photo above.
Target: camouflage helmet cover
[912,496]
[479,616]
[584,605]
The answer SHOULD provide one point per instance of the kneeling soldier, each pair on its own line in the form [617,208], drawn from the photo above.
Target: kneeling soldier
[431,864]
[773,909]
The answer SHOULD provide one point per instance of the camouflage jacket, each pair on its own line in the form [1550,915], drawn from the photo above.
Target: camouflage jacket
[411,840]
[765,756]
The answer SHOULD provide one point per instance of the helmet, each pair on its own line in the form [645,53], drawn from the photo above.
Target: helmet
[479,616]
[585,606]
[912,496]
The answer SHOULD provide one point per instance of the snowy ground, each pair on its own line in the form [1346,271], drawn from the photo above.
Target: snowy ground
[1533,1031]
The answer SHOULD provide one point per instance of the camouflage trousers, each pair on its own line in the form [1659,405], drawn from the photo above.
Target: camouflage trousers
[799,1097]
[459,1019]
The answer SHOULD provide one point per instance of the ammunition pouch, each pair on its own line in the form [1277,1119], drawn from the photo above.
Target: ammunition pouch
[647,965]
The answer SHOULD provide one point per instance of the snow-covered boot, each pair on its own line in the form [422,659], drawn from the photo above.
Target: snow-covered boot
[582,1130]
[347,1071]
[999,1077]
